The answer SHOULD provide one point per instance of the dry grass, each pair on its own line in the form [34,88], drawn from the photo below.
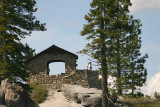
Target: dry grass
[140,102]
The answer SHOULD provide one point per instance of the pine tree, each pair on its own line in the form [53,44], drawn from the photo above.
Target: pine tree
[114,34]
[124,59]
[17,21]
[135,73]
[120,28]
[99,33]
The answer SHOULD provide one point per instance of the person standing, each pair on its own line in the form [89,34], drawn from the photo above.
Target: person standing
[89,66]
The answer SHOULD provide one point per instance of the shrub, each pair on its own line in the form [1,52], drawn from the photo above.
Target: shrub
[157,96]
[38,92]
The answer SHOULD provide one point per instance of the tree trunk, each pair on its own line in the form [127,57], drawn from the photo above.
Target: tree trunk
[118,68]
[132,84]
[104,81]
[132,92]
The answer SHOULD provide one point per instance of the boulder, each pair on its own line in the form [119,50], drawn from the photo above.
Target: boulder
[3,106]
[13,95]
[1,96]
[89,97]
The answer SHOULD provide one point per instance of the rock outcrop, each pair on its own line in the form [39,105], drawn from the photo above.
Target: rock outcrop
[88,97]
[12,95]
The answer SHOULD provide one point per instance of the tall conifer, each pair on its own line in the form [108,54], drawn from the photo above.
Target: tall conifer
[17,21]
[114,42]
[99,32]
[125,54]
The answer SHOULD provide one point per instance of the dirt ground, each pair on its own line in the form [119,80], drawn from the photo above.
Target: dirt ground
[56,99]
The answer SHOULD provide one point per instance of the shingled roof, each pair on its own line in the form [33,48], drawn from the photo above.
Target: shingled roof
[50,50]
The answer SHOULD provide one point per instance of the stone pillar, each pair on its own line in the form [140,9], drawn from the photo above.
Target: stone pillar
[70,67]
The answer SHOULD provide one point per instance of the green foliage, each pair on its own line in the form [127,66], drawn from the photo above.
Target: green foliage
[114,42]
[16,22]
[157,96]
[38,92]
[124,58]
[113,95]
[99,32]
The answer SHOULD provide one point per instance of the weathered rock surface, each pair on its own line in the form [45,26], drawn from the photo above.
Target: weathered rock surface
[3,106]
[12,95]
[85,96]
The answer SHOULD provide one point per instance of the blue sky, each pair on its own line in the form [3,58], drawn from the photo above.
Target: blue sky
[65,18]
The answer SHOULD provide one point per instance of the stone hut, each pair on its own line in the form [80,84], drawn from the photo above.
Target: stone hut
[41,61]
[39,70]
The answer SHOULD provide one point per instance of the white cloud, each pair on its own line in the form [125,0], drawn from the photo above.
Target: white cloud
[152,85]
[70,23]
[139,5]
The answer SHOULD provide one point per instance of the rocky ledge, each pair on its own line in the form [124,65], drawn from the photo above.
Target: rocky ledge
[88,97]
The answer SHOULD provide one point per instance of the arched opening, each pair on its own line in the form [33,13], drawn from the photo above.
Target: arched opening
[55,68]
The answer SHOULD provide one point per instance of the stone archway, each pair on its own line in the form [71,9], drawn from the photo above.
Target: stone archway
[39,63]
[38,66]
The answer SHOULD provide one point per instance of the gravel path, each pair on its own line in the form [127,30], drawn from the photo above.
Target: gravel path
[56,99]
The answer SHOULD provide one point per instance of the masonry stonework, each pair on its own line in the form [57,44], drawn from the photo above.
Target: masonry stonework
[40,62]
[84,78]
[39,70]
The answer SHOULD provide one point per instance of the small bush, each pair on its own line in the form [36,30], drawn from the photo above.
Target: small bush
[157,96]
[38,92]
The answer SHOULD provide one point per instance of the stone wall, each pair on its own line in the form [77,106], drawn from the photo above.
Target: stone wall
[51,81]
[93,79]
[77,78]
[84,78]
